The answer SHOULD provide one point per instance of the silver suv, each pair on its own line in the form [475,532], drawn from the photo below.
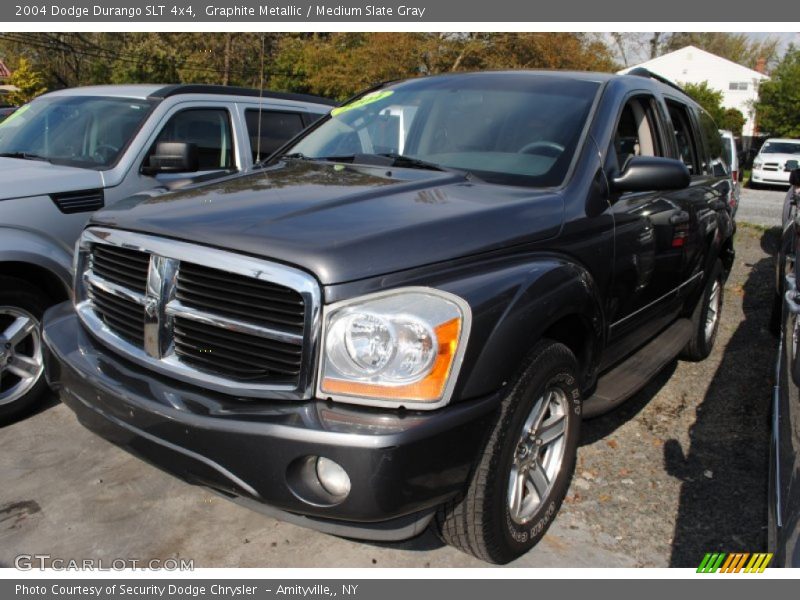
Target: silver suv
[71,152]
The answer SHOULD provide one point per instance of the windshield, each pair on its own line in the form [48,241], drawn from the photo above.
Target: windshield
[511,128]
[81,131]
[780,148]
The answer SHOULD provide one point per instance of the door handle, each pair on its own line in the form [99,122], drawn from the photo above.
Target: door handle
[679,218]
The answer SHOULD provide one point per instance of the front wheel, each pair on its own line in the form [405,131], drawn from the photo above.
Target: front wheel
[527,464]
[706,317]
[22,382]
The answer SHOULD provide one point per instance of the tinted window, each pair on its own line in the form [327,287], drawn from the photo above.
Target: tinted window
[209,129]
[82,131]
[684,135]
[718,163]
[504,128]
[277,128]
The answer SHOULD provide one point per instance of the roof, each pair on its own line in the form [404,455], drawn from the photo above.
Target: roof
[685,52]
[144,91]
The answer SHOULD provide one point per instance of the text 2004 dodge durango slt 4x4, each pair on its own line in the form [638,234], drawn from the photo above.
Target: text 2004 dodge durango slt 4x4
[403,317]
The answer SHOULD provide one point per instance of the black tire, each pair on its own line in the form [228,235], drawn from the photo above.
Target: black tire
[17,293]
[480,521]
[702,342]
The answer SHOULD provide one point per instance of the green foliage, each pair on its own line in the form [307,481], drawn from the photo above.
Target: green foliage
[778,105]
[332,64]
[737,47]
[733,120]
[707,97]
[28,80]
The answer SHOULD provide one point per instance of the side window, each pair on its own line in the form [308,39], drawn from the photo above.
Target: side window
[636,133]
[209,129]
[277,128]
[718,163]
[684,135]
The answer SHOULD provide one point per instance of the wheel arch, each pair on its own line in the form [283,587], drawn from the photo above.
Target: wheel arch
[555,299]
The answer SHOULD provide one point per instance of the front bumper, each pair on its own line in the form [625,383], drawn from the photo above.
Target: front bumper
[401,466]
[779,177]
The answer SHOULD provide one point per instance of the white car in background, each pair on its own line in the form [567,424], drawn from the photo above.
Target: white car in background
[773,163]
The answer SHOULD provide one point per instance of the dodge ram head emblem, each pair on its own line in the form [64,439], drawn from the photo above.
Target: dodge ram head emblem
[151,306]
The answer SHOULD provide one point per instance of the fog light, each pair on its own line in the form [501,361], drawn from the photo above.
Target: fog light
[332,477]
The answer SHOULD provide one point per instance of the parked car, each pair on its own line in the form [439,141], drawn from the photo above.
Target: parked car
[6,111]
[69,153]
[732,159]
[774,162]
[784,462]
[365,342]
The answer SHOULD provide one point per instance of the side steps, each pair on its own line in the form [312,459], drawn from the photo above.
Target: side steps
[632,374]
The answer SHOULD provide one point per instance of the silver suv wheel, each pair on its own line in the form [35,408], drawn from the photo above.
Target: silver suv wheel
[21,360]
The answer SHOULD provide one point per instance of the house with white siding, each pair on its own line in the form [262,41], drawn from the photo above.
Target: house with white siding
[738,84]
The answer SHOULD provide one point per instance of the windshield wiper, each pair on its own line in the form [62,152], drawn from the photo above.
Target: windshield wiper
[24,156]
[401,160]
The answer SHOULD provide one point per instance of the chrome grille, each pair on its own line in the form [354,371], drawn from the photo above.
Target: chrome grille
[122,266]
[240,297]
[121,315]
[237,355]
[227,322]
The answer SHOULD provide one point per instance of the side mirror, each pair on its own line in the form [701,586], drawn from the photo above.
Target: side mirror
[172,157]
[651,173]
[794,177]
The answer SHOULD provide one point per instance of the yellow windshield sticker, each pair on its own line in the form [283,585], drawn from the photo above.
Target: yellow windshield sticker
[363,101]
[16,113]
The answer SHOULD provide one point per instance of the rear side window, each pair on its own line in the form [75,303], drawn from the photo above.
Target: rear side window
[277,128]
[684,135]
[717,163]
[209,129]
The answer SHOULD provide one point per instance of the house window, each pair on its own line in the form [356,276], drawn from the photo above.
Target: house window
[738,85]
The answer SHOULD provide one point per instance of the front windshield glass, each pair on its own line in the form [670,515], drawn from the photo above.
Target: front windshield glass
[511,128]
[780,148]
[80,131]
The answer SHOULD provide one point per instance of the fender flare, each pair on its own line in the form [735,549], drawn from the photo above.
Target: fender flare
[530,298]
[23,246]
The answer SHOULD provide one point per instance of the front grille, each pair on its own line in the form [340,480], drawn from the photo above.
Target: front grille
[240,297]
[240,356]
[124,317]
[242,329]
[121,266]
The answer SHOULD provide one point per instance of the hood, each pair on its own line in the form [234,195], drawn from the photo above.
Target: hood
[22,178]
[343,223]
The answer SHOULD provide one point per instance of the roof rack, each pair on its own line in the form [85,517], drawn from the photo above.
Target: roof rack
[643,72]
[230,90]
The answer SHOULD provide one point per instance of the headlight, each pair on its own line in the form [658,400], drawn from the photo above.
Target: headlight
[397,348]
[757,164]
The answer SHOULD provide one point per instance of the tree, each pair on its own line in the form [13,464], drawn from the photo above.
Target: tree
[736,47]
[733,120]
[778,105]
[707,97]
[29,81]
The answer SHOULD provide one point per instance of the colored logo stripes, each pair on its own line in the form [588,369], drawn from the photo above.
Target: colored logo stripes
[720,562]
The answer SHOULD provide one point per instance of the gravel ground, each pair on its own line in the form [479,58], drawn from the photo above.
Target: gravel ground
[681,469]
[677,471]
[761,207]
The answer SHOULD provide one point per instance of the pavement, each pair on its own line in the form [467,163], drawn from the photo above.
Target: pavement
[762,206]
[678,470]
